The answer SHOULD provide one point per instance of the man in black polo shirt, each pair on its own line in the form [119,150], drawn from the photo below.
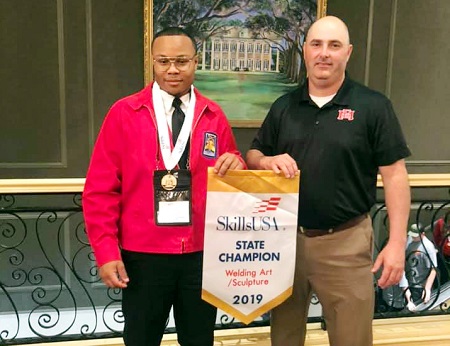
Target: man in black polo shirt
[340,134]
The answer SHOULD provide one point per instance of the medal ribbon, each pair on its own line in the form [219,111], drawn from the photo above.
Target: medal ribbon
[172,157]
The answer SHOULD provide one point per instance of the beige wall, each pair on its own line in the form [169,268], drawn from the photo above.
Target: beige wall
[402,49]
[64,63]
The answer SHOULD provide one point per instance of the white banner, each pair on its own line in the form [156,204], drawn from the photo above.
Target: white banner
[250,241]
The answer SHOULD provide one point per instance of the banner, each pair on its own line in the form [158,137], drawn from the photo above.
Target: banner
[250,241]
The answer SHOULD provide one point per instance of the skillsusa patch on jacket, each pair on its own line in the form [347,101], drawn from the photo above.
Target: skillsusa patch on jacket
[210,145]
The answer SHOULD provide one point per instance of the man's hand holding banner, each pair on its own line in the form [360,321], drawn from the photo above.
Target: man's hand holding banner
[250,241]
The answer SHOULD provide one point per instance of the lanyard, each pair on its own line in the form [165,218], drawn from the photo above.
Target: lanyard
[172,157]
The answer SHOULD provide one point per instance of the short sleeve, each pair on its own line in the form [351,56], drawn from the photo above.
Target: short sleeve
[388,140]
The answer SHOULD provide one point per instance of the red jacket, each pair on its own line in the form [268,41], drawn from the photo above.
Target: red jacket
[118,199]
[441,232]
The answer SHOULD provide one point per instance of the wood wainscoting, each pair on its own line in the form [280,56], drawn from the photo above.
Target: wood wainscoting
[406,331]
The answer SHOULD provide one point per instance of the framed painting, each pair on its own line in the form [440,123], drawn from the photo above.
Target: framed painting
[249,51]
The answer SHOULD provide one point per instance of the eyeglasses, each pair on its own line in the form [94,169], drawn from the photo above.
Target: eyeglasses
[180,62]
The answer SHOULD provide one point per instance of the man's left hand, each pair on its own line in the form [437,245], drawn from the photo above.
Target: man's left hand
[227,161]
[392,260]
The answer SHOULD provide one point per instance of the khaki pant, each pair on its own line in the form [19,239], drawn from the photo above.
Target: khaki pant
[337,268]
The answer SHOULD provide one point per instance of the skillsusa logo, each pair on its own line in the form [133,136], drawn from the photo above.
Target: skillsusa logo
[346,114]
[267,204]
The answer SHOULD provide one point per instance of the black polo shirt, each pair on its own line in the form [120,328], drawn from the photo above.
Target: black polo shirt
[338,149]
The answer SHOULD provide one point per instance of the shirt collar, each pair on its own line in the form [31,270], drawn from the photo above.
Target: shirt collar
[342,97]
[168,100]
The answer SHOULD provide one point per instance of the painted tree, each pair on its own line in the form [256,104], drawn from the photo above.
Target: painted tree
[288,19]
[201,18]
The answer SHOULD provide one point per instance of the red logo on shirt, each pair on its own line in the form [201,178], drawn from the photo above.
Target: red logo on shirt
[346,114]
[267,204]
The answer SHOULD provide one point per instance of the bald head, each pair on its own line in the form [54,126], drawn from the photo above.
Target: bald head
[327,26]
[326,50]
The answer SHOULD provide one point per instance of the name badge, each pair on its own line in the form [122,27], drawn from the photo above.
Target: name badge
[173,202]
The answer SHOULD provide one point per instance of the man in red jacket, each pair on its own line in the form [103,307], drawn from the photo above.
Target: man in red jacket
[145,196]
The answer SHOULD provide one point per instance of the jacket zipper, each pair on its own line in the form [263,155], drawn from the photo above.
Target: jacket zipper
[192,131]
[198,119]
[189,159]
[153,117]
[190,147]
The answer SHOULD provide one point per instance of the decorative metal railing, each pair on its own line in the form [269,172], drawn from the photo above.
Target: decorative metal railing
[49,289]
[425,287]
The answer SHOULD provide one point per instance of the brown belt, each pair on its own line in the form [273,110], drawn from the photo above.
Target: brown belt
[343,226]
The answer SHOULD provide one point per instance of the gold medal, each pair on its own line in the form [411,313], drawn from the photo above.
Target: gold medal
[169,181]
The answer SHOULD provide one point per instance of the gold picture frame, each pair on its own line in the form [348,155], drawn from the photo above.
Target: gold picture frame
[148,62]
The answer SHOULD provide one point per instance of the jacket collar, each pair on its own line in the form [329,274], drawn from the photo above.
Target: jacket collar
[144,98]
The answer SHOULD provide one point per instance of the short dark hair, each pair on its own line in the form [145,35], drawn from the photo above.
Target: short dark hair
[175,31]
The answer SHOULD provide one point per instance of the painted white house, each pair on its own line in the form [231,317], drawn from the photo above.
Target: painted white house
[236,49]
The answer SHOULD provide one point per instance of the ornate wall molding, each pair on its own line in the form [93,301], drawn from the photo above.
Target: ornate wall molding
[77,184]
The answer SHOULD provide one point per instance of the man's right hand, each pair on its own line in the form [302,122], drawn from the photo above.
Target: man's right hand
[280,164]
[114,275]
